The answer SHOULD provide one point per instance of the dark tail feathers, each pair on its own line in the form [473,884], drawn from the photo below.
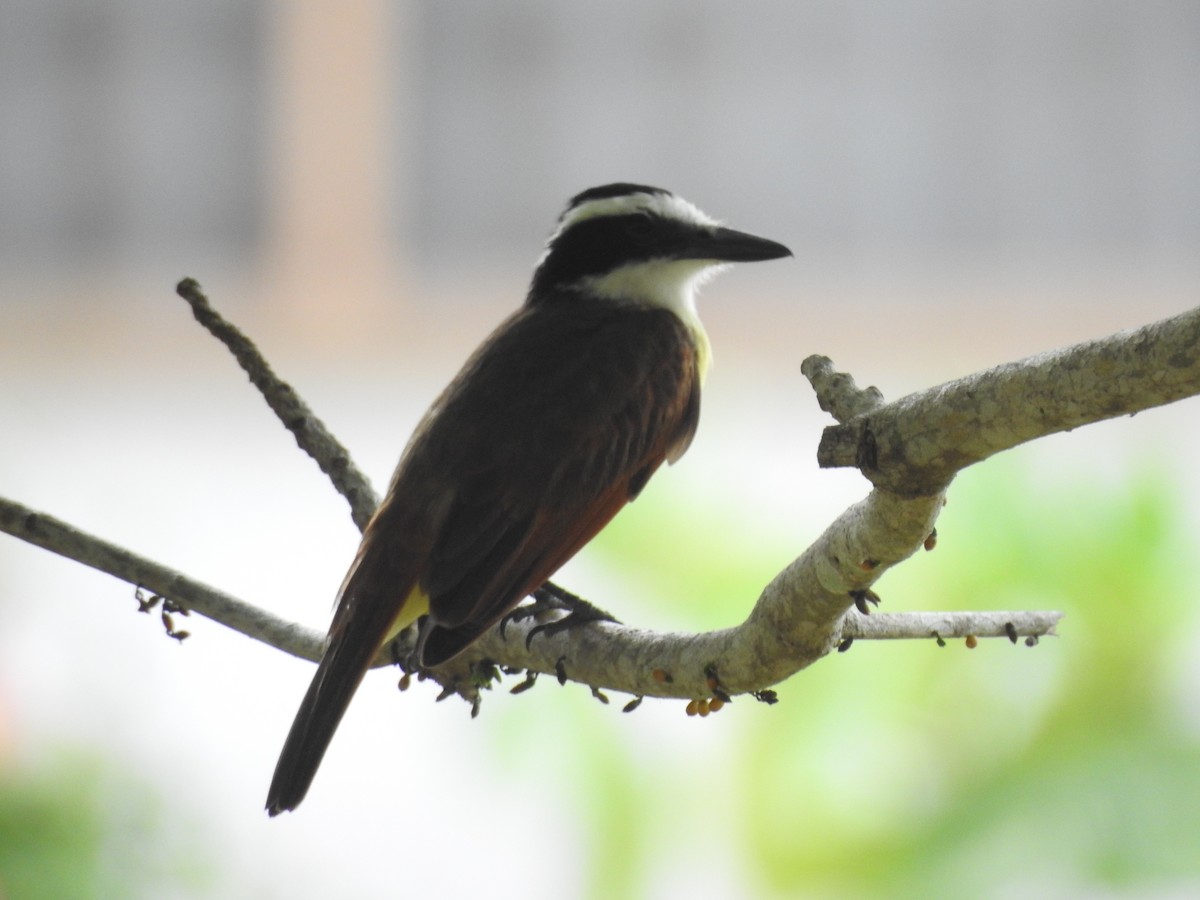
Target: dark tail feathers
[337,678]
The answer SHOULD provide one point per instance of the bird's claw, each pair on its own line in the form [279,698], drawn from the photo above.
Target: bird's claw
[549,598]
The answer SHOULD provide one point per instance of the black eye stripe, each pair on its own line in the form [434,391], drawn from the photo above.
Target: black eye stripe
[600,244]
[640,225]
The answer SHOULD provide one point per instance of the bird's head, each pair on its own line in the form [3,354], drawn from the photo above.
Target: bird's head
[638,244]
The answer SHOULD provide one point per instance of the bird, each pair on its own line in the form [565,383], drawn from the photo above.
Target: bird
[557,420]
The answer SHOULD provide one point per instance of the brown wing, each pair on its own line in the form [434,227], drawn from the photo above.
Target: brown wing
[605,396]
[555,423]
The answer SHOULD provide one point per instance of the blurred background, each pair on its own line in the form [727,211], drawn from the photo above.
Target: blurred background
[364,187]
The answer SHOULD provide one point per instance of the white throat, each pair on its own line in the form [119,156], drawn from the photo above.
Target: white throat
[669,284]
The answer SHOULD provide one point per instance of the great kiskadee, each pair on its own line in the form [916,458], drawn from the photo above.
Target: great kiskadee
[556,422]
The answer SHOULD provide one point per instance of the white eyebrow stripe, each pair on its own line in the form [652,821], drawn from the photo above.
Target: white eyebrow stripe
[668,206]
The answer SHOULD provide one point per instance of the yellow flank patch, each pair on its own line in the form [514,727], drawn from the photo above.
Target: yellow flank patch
[416,604]
[703,349]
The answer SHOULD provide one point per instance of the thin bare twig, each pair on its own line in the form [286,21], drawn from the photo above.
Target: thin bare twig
[915,625]
[66,540]
[310,432]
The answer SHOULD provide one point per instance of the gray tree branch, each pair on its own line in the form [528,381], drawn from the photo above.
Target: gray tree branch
[918,443]
[57,536]
[909,449]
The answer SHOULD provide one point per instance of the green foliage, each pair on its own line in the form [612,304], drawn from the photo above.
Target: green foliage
[50,836]
[896,769]
[1058,769]
[904,769]
[73,827]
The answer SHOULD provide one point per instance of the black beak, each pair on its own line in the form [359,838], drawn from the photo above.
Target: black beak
[727,245]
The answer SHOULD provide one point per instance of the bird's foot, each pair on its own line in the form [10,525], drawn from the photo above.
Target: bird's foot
[551,598]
